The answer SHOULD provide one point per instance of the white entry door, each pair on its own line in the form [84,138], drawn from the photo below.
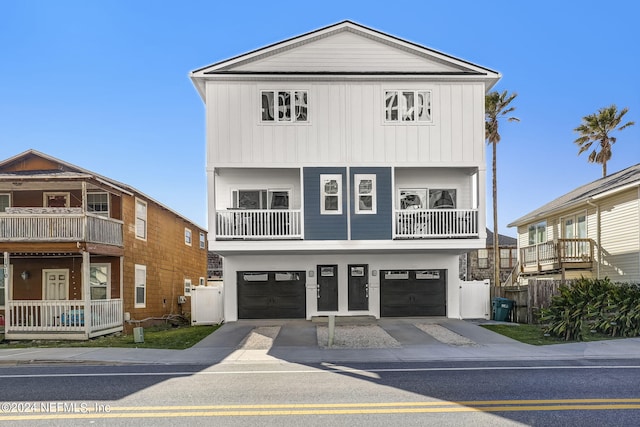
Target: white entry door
[56,284]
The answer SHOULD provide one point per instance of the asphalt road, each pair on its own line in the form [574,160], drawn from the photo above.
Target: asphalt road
[585,392]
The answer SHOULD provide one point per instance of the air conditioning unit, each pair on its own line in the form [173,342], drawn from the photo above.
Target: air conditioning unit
[182,299]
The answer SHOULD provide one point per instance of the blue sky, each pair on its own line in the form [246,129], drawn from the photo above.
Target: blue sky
[104,84]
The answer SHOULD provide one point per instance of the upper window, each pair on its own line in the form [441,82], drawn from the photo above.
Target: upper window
[141,219]
[442,199]
[99,281]
[56,200]
[203,242]
[187,236]
[98,203]
[365,197]
[331,194]
[5,202]
[508,257]
[260,199]
[140,300]
[538,233]
[284,106]
[408,106]
[483,258]
[422,198]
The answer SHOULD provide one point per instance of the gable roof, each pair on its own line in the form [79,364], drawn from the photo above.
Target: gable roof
[502,240]
[355,52]
[54,168]
[619,181]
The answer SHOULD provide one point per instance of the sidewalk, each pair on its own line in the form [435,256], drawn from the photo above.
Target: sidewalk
[296,341]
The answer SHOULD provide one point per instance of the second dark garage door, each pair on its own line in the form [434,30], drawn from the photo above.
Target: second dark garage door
[413,293]
[271,295]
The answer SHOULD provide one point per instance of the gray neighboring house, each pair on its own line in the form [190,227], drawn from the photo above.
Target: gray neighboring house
[592,231]
[478,264]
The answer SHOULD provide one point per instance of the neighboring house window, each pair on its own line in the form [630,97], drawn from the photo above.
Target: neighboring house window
[331,194]
[140,300]
[5,202]
[98,203]
[187,286]
[203,242]
[56,200]
[538,233]
[408,106]
[508,257]
[483,258]
[284,106]
[99,281]
[365,188]
[187,237]
[141,219]
[442,199]
[261,199]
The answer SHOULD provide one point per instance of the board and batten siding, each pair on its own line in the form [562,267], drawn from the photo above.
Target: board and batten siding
[346,126]
[373,226]
[316,225]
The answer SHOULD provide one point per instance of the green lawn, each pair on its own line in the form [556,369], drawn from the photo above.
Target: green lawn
[163,337]
[534,334]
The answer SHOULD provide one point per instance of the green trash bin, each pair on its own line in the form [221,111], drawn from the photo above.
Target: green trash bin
[501,308]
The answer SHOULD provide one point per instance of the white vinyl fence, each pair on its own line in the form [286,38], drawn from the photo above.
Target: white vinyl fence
[206,305]
[475,300]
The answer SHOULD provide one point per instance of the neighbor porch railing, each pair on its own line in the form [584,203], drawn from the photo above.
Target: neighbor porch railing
[435,223]
[558,254]
[258,224]
[60,227]
[62,316]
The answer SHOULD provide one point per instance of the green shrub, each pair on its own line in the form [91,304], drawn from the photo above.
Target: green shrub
[594,304]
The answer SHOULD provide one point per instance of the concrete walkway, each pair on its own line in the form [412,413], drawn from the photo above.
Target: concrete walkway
[296,341]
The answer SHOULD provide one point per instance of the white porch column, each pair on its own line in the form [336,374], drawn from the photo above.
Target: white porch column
[86,290]
[7,312]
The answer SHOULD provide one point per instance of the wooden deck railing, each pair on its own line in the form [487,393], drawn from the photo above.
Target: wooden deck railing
[62,316]
[258,224]
[558,254]
[436,223]
[60,227]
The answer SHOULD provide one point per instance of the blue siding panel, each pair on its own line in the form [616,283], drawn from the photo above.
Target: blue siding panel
[323,227]
[373,226]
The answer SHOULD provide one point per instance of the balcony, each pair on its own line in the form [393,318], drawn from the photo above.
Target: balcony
[435,223]
[59,225]
[575,254]
[258,224]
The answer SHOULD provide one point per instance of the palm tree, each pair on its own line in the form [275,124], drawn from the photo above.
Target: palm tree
[596,128]
[496,107]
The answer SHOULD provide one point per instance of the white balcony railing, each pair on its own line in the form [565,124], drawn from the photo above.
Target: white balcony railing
[435,223]
[259,224]
[60,227]
[62,316]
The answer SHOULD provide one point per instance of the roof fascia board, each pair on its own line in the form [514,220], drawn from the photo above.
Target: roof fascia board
[615,190]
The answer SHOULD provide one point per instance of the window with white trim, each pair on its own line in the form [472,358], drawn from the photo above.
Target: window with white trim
[261,199]
[141,219]
[203,241]
[99,281]
[483,258]
[140,297]
[187,286]
[538,233]
[408,106]
[98,203]
[284,106]
[330,194]
[5,202]
[187,236]
[365,193]
[56,200]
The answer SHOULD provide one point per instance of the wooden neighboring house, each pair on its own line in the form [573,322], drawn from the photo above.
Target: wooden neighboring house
[85,255]
[478,264]
[346,174]
[592,231]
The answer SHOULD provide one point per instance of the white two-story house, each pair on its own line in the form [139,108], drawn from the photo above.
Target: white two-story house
[346,173]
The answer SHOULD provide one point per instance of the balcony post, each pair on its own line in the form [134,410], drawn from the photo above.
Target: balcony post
[86,290]
[7,308]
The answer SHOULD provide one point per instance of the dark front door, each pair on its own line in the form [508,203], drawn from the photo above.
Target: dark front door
[327,288]
[358,287]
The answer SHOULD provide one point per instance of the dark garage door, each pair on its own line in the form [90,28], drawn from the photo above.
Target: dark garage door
[271,295]
[413,293]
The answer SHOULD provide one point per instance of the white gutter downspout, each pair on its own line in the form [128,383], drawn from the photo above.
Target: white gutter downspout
[598,235]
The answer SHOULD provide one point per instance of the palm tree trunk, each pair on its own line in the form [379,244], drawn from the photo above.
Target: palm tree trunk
[496,249]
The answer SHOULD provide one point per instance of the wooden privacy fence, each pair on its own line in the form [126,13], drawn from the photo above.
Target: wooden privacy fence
[529,299]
